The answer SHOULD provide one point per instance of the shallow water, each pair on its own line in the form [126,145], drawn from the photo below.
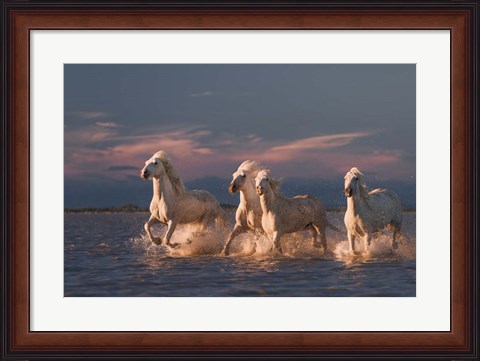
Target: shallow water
[108,255]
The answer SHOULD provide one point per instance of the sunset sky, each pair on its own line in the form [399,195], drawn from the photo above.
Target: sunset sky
[302,121]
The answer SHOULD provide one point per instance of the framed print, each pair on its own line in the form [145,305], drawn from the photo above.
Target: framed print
[367,248]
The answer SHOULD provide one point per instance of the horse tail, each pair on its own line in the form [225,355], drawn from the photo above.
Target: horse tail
[331,226]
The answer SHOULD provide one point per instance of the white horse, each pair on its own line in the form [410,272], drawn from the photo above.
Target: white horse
[249,211]
[172,204]
[282,215]
[369,212]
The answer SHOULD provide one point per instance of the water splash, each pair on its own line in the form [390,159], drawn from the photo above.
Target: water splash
[190,241]
[248,244]
[259,246]
[380,250]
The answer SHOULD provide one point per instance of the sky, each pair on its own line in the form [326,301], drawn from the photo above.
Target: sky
[305,121]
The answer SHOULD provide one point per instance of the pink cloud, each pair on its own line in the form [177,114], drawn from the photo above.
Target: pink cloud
[88,135]
[205,151]
[320,142]
[108,124]
[195,156]
[88,115]
[298,148]
[133,150]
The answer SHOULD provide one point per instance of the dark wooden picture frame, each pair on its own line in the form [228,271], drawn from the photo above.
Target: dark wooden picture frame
[19,18]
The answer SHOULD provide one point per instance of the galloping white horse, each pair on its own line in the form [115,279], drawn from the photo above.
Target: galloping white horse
[282,215]
[249,211]
[369,212]
[172,204]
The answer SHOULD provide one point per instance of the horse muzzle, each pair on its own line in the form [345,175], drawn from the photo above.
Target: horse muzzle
[232,188]
[348,192]
[260,190]
[144,174]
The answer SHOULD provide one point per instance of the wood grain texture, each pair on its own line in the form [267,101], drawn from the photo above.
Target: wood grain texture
[456,342]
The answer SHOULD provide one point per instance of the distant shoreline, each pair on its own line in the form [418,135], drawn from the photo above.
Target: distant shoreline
[131,208]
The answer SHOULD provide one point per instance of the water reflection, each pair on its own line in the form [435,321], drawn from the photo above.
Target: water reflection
[106,255]
[255,265]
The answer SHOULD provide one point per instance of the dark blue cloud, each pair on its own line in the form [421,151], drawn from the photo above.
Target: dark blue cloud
[122,167]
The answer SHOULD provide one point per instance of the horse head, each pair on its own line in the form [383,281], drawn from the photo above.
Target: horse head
[238,180]
[353,182]
[153,168]
[262,180]
[248,168]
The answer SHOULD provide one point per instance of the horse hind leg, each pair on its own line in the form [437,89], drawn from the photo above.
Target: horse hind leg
[318,230]
[171,228]
[211,218]
[396,230]
[203,223]
[315,243]
[368,241]
[202,228]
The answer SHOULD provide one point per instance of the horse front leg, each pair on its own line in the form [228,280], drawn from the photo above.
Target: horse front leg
[276,242]
[368,241]
[236,231]
[351,241]
[171,228]
[147,228]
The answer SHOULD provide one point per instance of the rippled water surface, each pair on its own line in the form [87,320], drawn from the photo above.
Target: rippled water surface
[107,254]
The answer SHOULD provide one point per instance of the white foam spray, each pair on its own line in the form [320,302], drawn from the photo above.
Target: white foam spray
[296,245]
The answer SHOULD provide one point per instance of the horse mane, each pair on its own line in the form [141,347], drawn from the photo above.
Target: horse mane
[251,167]
[177,183]
[361,179]
[274,183]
